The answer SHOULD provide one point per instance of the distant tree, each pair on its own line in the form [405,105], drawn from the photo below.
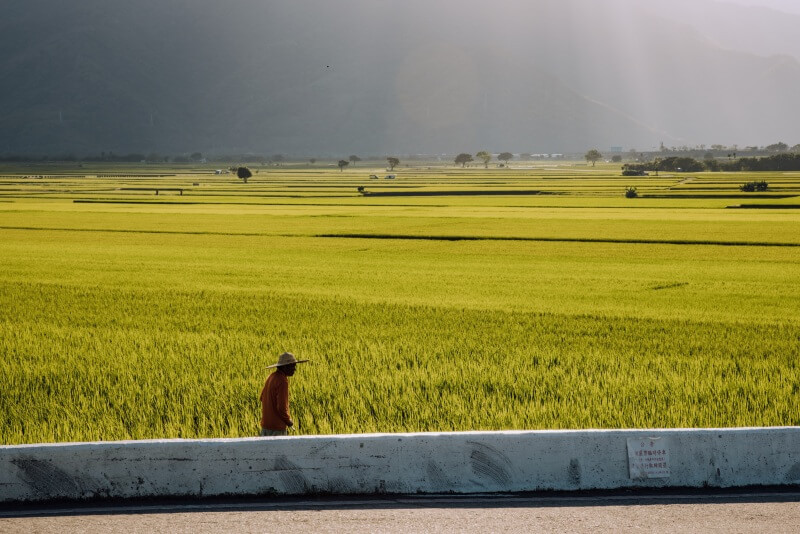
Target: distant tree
[506,157]
[616,158]
[751,187]
[485,156]
[526,155]
[312,160]
[796,149]
[631,169]
[393,162]
[777,162]
[354,159]
[463,159]
[593,156]
[243,173]
[342,164]
[196,156]
[777,147]
[277,158]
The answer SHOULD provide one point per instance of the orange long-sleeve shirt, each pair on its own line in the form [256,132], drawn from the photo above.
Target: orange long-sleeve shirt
[275,402]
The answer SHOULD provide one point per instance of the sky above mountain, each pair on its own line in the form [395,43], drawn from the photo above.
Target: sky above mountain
[313,77]
[789,6]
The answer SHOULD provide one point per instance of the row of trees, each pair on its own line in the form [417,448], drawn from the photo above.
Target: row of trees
[461,159]
[685,154]
[464,158]
[592,156]
[391,160]
[778,162]
[342,163]
[198,157]
[774,148]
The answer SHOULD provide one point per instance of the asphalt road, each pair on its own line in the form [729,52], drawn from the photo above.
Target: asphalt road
[713,512]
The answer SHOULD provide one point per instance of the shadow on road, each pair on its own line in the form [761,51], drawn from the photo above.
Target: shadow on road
[400,502]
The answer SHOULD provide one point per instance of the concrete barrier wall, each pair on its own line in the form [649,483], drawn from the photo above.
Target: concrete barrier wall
[464,462]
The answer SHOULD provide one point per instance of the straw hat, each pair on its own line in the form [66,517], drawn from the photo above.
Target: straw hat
[287,358]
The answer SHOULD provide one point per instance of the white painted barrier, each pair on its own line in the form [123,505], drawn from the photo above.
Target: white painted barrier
[464,462]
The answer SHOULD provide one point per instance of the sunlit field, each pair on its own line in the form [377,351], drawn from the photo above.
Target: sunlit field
[530,297]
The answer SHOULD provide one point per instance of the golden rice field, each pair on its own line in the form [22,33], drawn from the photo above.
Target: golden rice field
[446,299]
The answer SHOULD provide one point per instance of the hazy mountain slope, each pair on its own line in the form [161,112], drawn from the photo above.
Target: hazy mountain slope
[756,30]
[787,6]
[670,76]
[374,77]
[105,74]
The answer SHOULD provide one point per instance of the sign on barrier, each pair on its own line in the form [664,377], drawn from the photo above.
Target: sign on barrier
[648,458]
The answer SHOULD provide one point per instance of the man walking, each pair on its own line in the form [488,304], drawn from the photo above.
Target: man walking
[275,418]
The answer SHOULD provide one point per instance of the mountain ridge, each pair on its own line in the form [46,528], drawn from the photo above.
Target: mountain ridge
[312,78]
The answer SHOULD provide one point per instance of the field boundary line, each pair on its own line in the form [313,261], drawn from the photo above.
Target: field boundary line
[411,237]
[129,231]
[562,240]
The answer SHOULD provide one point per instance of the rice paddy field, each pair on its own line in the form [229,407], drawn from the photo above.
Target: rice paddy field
[145,302]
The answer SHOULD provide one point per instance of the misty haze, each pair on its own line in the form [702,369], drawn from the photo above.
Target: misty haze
[380,77]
